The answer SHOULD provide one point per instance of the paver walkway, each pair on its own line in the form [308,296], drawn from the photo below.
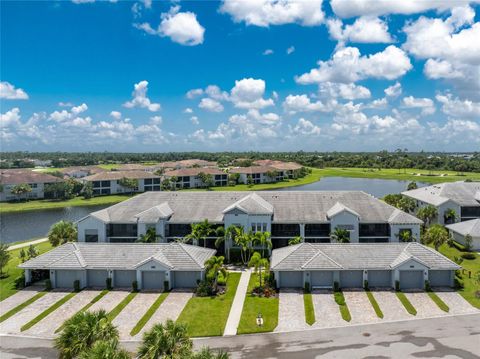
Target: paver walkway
[47,326]
[360,307]
[237,306]
[391,306]
[131,314]
[18,298]
[171,308]
[291,311]
[13,324]
[424,305]
[327,312]
[456,303]
[110,300]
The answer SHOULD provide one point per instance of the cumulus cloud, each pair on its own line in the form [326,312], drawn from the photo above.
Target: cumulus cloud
[456,107]
[248,93]
[305,128]
[180,27]
[290,50]
[140,99]
[347,66]
[211,105]
[267,12]
[116,115]
[346,91]
[9,92]
[365,29]
[394,90]
[424,103]
[188,110]
[194,120]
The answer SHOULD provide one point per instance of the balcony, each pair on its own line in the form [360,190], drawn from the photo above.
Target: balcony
[285,230]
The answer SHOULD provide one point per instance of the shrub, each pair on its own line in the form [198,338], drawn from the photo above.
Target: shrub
[397,285]
[469,256]
[458,283]
[307,287]
[108,283]
[427,286]
[365,284]
[204,289]
[76,285]
[48,284]
[166,285]
[336,286]
[135,286]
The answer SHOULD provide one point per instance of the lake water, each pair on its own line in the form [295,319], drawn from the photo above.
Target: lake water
[22,226]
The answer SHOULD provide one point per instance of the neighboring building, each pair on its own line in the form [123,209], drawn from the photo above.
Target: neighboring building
[258,174]
[176,165]
[81,171]
[109,182]
[284,169]
[382,265]
[312,215]
[189,177]
[36,180]
[152,266]
[462,197]
[133,167]
[460,230]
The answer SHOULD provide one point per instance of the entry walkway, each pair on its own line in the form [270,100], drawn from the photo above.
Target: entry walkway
[26,244]
[237,305]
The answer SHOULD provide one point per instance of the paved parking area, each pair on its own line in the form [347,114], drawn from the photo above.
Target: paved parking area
[424,305]
[171,308]
[110,300]
[391,306]
[327,313]
[456,303]
[291,311]
[18,298]
[131,314]
[47,327]
[360,307]
[13,324]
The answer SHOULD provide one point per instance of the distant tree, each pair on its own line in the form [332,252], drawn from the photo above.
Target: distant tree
[468,242]
[174,181]
[340,235]
[22,255]
[295,240]
[166,184]
[129,183]
[4,257]
[412,185]
[427,214]
[272,175]
[233,178]
[260,264]
[207,179]
[62,232]
[249,181]
[436,235]
[449,215]
[263,239]
[88,190]
[20,190]
[401,202]
[32,252]
[200,232]
[213,268]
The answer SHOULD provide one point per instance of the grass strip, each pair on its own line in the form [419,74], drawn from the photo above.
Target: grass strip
[440,303]
[116,311]
[342,305]
[86,307]
[148,314]
[309,310]
[374,304]
[19,307]
[406,303]
[47,311]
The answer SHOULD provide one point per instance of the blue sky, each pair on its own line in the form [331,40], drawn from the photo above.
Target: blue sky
[344,75]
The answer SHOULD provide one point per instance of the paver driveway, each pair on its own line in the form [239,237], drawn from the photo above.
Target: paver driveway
[171,308]
[47,326]
[360,307]
[131,314]
[391,306]
[13,324]
[456,303]
[18,298]
[291,311]
[110,300]
[327,313]
[424,305]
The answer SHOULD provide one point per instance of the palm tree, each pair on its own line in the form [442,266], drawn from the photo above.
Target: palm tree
[340,235]
[200,232]
[259,264]
[295,240]
[436,235]
[244,241]
[62,232]
[450,215]
[21,189]
[412,185]
[427,214]
[214,267]
[105,349]
[169,340]
[81,331]
[4,257]
[130,183]
[207,353]
[149,237]
[263,239]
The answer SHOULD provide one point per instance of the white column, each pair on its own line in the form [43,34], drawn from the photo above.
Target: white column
[52,278]
[28,276]
[302,230]
[139,279]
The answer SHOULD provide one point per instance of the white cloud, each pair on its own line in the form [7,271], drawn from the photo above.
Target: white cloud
[394,90]
[140,98]
[424,103]
[9,92]
[455,132]
[65,104]
[191,94]
[195,120]
[267,52]
[188,110]
[248,93]
[267,12]
[10,118]
[156,120]
[365,29]
[459,108]
[290,50]
[180,27]
[213,91]
[116,115]
[346,91]
[211,105]
[305,128]
[302,103]
[347,65]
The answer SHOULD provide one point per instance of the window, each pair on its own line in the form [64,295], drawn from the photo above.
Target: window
[259,227]
[105,183]
[147,181]
[285,229]
[122,230]
[97,184]
[374,230]
[177,229]
[317,230]
[470,212]
[91,238]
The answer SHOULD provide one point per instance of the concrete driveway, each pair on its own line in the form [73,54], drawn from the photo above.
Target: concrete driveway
[456,303]
[391,306]
[131,314]
[425,306]
[18,298]
[291,311]
[327,313]
[109,301]
[360,307]
[47,326]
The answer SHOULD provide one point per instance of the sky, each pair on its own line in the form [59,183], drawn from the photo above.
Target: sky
[240,75]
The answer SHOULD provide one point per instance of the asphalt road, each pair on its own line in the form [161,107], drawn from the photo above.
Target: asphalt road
[452,337]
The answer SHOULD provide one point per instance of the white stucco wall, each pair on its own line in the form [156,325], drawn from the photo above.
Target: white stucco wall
[346,218]
[461,239]
[395,230]
[92,223]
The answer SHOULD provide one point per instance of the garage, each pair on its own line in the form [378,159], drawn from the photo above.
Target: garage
[97,278]
[291,279]
[186,279]
[153,280]
[440,278]
[379,279]
[321,279]
[351,279]
[411,279]
[124,278]
[65,278]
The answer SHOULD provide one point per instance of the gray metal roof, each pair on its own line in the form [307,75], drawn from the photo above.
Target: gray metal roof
[288,206]
[176,256]
[471,227]
[309,256]
[462,193]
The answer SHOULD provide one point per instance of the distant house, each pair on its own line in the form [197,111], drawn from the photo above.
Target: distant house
[460,230]
[189,177]
[36,180]
[81,171]
[258,174]
[285,169]
[133,167]
[109,182]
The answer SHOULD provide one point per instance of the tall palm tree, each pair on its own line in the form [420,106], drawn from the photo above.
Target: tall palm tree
[427,214]
[62,232]
[169,340]
[214,267]
[263,239]
[81,331]
[340,235]
[436,235]
[259,264]
[200,232]
[105,350]
[244,241]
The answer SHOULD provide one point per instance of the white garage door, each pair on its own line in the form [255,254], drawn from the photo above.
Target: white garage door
[291,279]
[440,278]
[186,279]
[65,278]
[153,280]
[321,279]
[351,279]
[124,278]
[411,279]
[379,278]
[97,278]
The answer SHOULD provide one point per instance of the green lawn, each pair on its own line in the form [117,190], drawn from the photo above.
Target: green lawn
[207,316]
[374,303]
[267,307]
[309,310]
[19,307]
[342,305]
[7,284]
[473,266]
[148,314]
[440,303]
[406,303]
[120,306]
